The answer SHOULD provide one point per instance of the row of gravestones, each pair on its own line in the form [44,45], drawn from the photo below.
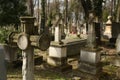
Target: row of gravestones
[89,65]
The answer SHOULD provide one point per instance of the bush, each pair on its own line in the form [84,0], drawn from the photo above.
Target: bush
[4,32]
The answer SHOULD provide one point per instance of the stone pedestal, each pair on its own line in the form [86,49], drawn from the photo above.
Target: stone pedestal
[58,56]
[90,61]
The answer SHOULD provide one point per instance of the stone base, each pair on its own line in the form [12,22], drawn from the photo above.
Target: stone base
[90,56]
[60,64]
[54,61]
[90,61]
[90,69]
[64,68]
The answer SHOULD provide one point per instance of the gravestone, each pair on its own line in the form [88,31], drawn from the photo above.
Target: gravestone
[90,55]
[108,28]
[3,74]
[90,61]
[57,52]
[27,40]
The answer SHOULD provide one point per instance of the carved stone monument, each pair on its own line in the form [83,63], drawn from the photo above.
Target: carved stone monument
[57,51]
[27,40]
[90,55]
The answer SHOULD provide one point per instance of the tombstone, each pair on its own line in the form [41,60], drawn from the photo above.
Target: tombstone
[27,40]
[90,59]
[108,28]
[3,74]
[57,52]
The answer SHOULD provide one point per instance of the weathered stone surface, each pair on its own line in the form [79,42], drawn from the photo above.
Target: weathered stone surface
[57,34]
[23,41]
[90,61]
[3,75]
[74,46]
[91,39]
[59,52]
[118,44]
[89,68]
[90,56]
[115,29]
[10,52]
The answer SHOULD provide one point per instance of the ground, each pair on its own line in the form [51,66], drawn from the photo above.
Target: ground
[46,72]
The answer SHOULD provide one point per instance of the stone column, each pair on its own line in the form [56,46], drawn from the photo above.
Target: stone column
[57,34]
[91,40]
[28,64]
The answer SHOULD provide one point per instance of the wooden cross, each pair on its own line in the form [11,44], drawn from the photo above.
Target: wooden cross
[27,41]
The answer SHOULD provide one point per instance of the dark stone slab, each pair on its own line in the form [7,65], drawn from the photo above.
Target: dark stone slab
[91,69]
[64,68]
[115,29]
[98,33]
[3,74]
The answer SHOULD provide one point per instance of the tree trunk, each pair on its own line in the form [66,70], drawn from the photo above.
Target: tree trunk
[43,2]
[66,13]
[118,12]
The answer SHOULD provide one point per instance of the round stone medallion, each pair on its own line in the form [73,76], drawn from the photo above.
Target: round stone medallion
[23,41]
[44,42]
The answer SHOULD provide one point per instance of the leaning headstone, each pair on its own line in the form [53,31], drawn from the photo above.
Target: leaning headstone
[3,75]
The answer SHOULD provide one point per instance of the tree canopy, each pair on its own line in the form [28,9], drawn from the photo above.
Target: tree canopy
[11,10]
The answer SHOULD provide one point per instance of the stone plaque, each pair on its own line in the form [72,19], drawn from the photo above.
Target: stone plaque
[23,41]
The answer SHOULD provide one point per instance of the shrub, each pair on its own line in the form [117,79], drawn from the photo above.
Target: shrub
[4,32]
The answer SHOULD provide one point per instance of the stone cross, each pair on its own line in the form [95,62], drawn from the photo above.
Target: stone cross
[27,40]
[57,34]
